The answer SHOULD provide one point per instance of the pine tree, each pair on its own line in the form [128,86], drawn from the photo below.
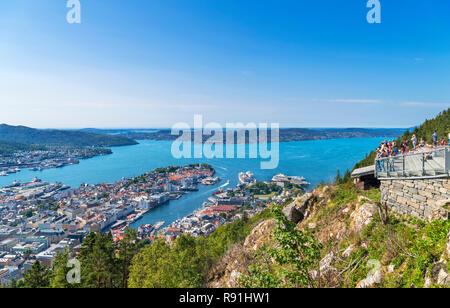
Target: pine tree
[338,179]
[98,262]
[37,277]
[128,248]
[347,177]
[60,271]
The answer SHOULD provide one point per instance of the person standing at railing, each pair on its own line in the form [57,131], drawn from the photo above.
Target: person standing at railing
[435,138]
[449,139]
[414,141]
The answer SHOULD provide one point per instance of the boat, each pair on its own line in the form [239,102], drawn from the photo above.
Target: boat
[246,178]
[14,184]
[220,191]
[159,225]
[210,181]
[119,224]
[3,173]
[297,180]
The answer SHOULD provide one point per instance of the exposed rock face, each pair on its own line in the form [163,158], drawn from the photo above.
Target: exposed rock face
[298,210]
[362,216]
[337,230]
[293,213]
[347,252]
[306,201]
[227,272]
[372,279]
[438,275]
[261,234]
[325,264]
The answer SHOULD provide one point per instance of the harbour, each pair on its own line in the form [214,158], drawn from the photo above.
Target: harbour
[316,160]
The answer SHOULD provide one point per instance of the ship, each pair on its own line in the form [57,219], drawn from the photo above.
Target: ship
[210,181]
[297,180]
[119,225]
[246,178]
[159,225]
[14,184]
[220,191]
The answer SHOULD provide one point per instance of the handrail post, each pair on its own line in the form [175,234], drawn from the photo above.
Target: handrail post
[445,160]
[376,167]
[403,166]
[423,164]
[388,167]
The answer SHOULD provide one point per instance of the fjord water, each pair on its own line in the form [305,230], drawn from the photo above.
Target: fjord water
[315,160]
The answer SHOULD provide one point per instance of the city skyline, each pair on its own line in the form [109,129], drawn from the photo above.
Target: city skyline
[151,65]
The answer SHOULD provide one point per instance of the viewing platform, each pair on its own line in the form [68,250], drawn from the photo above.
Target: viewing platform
[421,164]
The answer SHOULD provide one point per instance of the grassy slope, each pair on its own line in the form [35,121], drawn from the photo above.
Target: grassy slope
[410,245]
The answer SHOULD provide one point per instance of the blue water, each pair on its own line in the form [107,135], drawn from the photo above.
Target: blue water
[315,160]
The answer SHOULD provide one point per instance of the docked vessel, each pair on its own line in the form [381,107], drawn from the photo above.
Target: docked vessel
[246,178]
[297,180]
[210,181]
[159,225]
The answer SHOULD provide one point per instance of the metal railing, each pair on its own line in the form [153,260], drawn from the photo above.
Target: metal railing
[426,163]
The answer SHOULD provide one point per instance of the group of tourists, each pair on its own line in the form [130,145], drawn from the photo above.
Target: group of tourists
[391,148]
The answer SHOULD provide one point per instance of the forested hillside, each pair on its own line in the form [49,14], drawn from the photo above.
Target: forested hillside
[31,136]
[8,148]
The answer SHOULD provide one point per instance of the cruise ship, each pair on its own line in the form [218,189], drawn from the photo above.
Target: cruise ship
[298,180]
[246,178]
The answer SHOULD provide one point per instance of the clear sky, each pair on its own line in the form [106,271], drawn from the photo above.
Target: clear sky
[152,63]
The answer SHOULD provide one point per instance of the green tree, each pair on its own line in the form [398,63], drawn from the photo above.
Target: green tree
[296,253]
[98,263]
[338,179]
[128,248]
[37,277]
[59,272]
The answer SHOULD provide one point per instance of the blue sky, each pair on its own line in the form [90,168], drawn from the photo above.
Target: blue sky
[153,63]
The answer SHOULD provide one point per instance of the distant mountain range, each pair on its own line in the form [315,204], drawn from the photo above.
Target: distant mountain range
[286,134]
[31,136]
[14,138]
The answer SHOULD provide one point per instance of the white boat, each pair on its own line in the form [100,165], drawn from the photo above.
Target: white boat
[298,180]
[246,178]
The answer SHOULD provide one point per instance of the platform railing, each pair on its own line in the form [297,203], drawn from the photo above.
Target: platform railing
[426,163]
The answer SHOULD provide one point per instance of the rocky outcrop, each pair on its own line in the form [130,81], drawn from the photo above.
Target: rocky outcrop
[439,273]
[299,209]
[362,216]
[260,235]
[227,271]
[372,279]
[293,213]
[235,263]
